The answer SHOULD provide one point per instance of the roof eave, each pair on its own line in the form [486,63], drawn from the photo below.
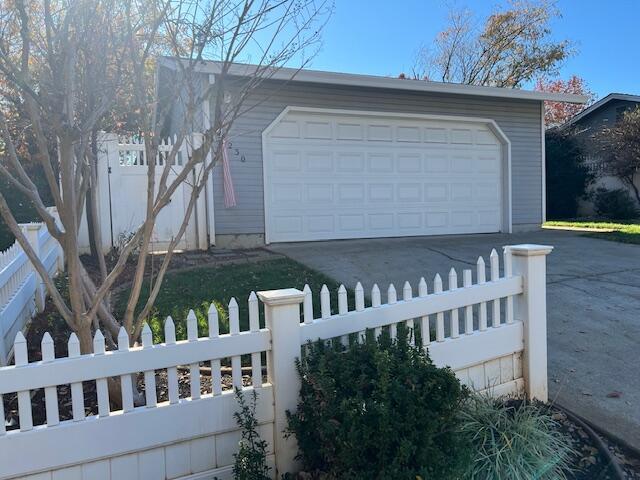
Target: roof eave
[600,103]
[371,81]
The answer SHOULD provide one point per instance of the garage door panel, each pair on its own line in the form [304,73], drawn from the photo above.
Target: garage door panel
[380,163]
[350,162]
[409,192]
[350,176]
[349,131]
[318,130]
[318,161]
[408,134]
[435,135]
[382,192]
[409,163]
[287,161]
[285,193]
[380,133]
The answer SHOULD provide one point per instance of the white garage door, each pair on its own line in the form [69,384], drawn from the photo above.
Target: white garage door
[338,175]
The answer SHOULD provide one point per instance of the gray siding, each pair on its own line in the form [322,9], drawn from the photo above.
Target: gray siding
[519,119]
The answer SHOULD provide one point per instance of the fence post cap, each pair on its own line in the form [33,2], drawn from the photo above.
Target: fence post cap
[30,226]
[281,297]
[529,249]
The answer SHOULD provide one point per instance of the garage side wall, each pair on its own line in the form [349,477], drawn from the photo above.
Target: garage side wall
[519,119]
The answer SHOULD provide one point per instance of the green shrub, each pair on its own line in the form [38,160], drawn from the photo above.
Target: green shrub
[380,410]
[251,459]
[615,204]
[514,441]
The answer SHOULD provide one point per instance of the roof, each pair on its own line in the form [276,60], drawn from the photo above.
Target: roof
[600,103]
[373,81]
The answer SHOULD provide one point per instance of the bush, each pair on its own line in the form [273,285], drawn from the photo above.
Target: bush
[615,204]
[566,176]
[380,410]
[251,460]
[514,441]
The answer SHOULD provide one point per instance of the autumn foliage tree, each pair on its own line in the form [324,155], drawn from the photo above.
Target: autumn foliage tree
[558,113]
[510,47]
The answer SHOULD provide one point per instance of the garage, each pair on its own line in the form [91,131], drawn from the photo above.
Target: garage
[339,174]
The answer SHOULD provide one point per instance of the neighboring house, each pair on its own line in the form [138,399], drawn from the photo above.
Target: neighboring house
[588,123]
[333,156]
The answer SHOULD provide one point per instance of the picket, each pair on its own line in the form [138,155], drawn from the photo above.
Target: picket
[149,375]
[234,329]
[495,274]
[468,310]
[172,371]
[482,308]
[254,326]
[214,332]
[407,294]
[308,304]
[391,300]
[375,303]
[50,393]
[102,388]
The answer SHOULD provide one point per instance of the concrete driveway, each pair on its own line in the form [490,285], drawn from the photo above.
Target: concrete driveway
[593,306]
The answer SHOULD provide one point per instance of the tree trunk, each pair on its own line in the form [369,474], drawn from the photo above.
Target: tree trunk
[85,337]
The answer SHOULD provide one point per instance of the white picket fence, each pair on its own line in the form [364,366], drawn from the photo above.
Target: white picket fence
[22,292]
[492,333]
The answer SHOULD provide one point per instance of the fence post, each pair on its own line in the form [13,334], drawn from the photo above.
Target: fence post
[529,261]
[32,232]
[282,318]
[60,257]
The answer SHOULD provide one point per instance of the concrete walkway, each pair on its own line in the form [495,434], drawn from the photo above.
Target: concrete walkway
[593,307]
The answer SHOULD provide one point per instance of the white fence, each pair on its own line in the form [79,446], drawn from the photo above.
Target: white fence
[122,199]
[22,291]
[492,333]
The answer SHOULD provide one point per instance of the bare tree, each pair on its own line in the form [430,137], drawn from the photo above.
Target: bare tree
[511,47]
[68,66]
[620,149]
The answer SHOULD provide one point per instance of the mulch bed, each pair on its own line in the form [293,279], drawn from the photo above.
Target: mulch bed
[90,399]
[591,464]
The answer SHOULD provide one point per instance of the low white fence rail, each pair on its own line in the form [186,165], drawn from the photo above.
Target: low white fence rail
[22,291]
[492,333]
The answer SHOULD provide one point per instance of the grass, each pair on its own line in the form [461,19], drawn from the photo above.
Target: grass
[514,441]
[196,289]
[622,231]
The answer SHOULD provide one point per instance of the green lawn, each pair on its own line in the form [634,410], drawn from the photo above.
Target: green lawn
[625,232]
[196,289]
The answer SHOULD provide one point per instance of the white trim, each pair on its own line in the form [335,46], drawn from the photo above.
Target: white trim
[374,81]
[507,215]
[544,165]
[600,103]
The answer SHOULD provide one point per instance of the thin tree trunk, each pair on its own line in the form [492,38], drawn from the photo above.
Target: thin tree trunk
[83,331]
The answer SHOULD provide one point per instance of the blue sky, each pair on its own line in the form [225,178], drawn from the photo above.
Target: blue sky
[381,37]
